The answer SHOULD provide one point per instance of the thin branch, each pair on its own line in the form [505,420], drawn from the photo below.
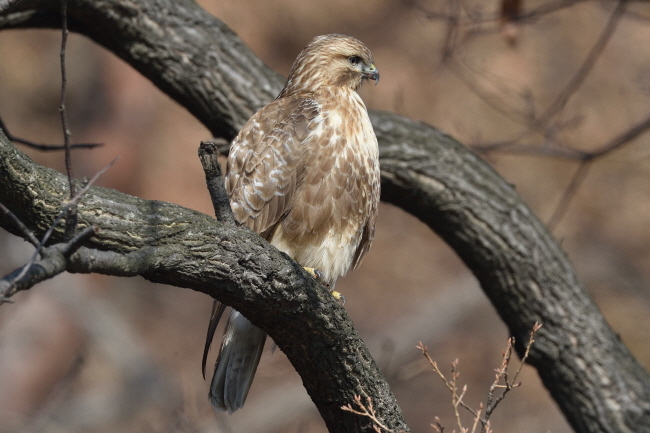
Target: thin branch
[531,340]
[623,139]
[492,402]
[467,74]
[546,9]
[570,191]
[71,217]
[52,263]
[23,229]
[594,54]
[541,124]
[67,249]
[42,146]
[451,34]
[502,372]
[93,179]
[451,386]
[62,257]
[586,159]
[511,146]
[75,243]
[208,154]
[367,411]
[64,83]
[493,17]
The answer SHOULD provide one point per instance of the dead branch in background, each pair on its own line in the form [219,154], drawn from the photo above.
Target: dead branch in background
[367,410]
[586,160]
[501,382]
[71,217]
[482,415]
[476,22]
[42,146]
[576,81]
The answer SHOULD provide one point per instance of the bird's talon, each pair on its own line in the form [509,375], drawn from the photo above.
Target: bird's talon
[339,297]
[317,275]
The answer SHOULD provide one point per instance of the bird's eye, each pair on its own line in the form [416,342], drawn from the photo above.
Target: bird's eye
[354,60]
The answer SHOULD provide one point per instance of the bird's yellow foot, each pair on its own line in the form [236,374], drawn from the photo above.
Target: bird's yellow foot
[339,297]
[317,275]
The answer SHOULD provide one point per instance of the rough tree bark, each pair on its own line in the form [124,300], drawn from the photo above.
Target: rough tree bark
[200,63]
[169,244]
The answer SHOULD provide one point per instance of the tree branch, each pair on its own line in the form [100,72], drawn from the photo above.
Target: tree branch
[169,244]
[54,260]
[209,156]
[195,59]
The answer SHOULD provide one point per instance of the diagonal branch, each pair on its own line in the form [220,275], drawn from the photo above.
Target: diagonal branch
[594,54]
[168,244]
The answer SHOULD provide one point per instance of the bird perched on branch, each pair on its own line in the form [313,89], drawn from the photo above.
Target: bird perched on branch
[303,173]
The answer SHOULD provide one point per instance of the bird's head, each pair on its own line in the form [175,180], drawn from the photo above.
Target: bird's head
[331,60]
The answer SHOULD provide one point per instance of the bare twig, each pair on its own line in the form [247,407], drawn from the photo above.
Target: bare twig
[65,249]
[502,373]
[71,216]
[438,425]
[23,229]
[368,411]
[586,160]
[42,146]
[472,19]
[54,261]
[547,8]
[64,83]
[594,54]
[451,34]
[76,242]
[623,139]
[501,381]
[511,146]
[570,191]
[450,384]
[544,124]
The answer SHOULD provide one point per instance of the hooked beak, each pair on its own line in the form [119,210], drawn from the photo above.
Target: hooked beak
[371,73]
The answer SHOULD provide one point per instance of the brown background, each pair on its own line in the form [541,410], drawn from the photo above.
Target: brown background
[93,353]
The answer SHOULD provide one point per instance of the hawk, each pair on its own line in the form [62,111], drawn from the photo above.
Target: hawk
[303,173]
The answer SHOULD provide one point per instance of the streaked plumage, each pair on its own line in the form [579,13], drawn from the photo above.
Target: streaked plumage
[304,173]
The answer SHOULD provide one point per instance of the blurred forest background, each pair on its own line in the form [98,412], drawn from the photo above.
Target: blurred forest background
[98,354]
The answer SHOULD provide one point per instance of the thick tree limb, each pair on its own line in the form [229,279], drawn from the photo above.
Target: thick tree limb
[169,244]
[587,369]
[201,64]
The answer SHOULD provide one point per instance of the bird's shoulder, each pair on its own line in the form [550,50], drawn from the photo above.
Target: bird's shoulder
[291,115]
[264,164]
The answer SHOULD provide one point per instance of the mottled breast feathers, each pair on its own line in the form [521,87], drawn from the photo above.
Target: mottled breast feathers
[304,174]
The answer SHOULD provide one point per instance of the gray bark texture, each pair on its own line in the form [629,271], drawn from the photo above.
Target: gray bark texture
[199,62]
